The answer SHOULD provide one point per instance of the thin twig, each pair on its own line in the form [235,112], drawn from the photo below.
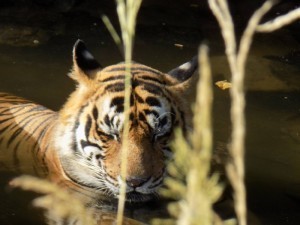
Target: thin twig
[279,21]
[112,32]
[223,16]
[236,172]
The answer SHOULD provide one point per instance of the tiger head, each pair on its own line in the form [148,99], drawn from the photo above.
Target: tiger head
[89,134]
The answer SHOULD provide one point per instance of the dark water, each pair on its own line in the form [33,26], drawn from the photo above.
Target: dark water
[39,72]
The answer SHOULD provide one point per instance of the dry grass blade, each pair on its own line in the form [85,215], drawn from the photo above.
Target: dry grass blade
[236,170]
[202,134]
[279,21]
[237,60]
[58,203]
[221,12]
[127,13]
[112,31]
[202,190]
[190,181]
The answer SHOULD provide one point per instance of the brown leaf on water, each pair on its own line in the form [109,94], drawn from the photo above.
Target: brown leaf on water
[223,84]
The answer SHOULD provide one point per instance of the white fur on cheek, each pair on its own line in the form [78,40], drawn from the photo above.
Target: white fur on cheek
[91,150]
[110,111]
[162,111]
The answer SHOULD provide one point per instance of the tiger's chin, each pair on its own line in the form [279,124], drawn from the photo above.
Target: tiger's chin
[133,198]
[136,197]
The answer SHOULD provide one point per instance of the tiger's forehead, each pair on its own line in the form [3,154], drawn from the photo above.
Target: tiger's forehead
[149,99]
[144,80]
[137,72]
[150,111]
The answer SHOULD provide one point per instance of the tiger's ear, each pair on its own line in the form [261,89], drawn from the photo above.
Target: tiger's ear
[182,76]
[85,65]
[185,71]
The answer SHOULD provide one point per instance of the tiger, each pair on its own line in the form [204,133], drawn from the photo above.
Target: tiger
[79,147]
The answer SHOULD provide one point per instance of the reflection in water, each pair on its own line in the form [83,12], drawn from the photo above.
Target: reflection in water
[62,207]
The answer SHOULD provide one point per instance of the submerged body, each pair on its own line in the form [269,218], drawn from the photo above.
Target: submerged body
[79,146]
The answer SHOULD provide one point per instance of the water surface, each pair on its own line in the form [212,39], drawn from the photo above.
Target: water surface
[39,72]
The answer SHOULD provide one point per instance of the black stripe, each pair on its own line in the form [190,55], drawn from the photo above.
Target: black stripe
[87,127]
[135,69]
[173,115]
[41,133]
[44,156]
[165,135]
[108,175]
[118,123]
[168,149]
[120,109]
[163,121]
[4,129]
[19,108]
[95,113]
[139,98]
[146,69]
[147,112]
[76,125]
[159,177]
[151,88]
[115,87]
[5,120]
[107,120]
[131,100]
[131,116]
[142,117]
[101,133]
[183,122]
[115,69]
[118,77]
[117,101]
[22,126]
[43,122]
[152,79]
[27,118]
[87,143]
[39,139]
[84,144]
[152,101]
[18,131]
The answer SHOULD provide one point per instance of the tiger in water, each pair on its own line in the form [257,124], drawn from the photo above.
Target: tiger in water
[79,146]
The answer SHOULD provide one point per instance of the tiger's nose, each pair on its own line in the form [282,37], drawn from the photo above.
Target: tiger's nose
[136,181]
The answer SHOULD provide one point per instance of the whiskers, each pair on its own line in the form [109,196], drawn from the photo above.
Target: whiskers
[83,168]
[92,177]
[89,173]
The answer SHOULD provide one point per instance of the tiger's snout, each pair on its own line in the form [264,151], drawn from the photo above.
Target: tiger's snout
[135,182]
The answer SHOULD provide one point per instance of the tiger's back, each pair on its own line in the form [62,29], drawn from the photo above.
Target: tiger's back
[24,130]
